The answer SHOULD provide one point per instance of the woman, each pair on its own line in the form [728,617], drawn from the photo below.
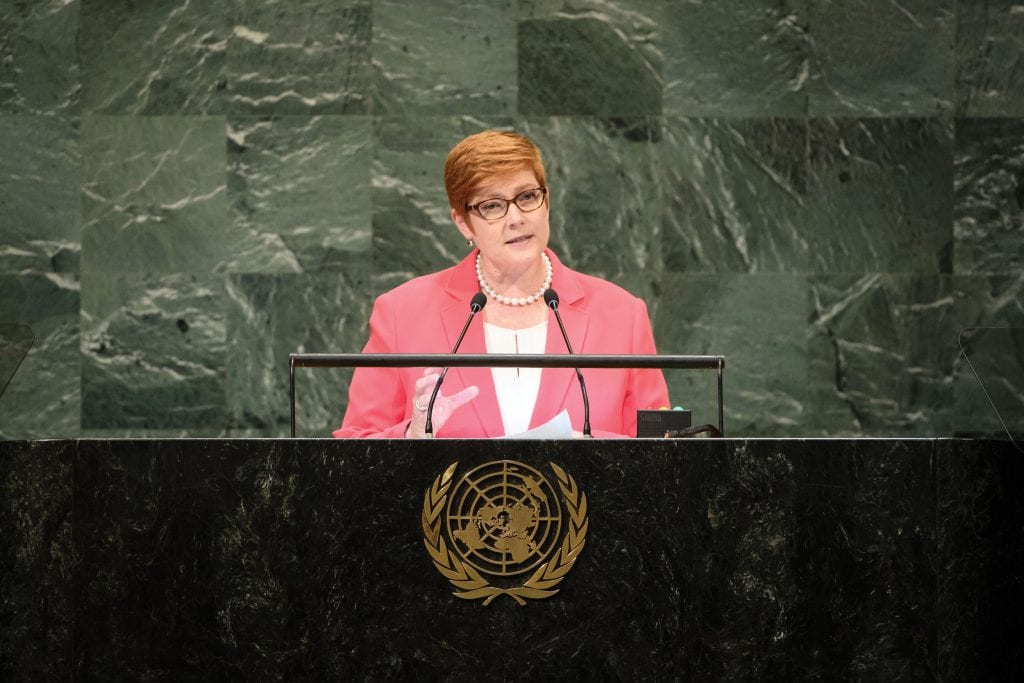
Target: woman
[500,202]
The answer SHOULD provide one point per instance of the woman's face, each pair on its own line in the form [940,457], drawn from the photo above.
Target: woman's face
[515,241]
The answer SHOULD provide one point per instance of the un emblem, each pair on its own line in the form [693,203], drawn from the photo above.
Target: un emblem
[503,521]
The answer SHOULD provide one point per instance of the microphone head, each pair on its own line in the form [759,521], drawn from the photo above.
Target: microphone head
[478,301]
[551,298]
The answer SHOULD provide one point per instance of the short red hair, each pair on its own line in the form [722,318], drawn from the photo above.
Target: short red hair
[483,156]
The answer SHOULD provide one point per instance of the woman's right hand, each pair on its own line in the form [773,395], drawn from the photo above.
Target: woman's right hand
[444,406]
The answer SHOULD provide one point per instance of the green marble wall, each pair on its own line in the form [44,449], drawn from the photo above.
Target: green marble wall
[825,192]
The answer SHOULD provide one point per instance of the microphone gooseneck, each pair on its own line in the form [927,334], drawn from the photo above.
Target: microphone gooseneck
[476,305]
[551,299]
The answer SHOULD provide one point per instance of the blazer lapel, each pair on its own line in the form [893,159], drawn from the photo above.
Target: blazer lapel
[555,383]
[462,287]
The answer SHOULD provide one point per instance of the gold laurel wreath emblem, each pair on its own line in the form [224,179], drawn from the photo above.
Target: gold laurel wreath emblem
[473,586]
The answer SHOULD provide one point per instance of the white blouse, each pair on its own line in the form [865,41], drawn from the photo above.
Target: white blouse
[516,387]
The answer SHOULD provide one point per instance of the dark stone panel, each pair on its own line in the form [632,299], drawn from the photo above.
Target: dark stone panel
[881,197]
[988,210]
[989,58]
[445,57]
[264,559]
[39,206]
[37,560]
[591,58]
[153,352]
[794,58]
[299,188]
[737,59]
[988,375]
[748,565]
[147,520]
[873,58]
[154,58]
[306,57]
[153,196]
[758,322]
[271,316]
[43,399]
[39,70]
[880,356]
[832,538]
[981,588]
[825,195]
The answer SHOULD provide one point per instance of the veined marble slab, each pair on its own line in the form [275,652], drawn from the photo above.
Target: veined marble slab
[153,351]
[988,224]
[43,399]
[306,57]
[40,73]
[299,190]
[154,58]
[989,58]
[39,196]
[153,195]
[444,57]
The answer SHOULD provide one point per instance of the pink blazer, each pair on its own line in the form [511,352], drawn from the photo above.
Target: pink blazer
[426,314]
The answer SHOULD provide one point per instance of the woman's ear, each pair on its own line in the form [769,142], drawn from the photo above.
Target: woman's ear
[464,228]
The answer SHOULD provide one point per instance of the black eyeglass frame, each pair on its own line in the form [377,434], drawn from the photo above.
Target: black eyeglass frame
[508,202]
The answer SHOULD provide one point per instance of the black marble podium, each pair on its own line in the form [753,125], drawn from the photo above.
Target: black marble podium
[305,559]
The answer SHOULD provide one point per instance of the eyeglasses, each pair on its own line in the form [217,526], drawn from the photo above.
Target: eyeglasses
[496,207]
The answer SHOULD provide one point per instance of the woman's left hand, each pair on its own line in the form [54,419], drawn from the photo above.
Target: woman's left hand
[444,406]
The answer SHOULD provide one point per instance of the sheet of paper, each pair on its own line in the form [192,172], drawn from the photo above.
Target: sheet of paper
[558,427]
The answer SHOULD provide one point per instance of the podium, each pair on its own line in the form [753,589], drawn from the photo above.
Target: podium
[305,559]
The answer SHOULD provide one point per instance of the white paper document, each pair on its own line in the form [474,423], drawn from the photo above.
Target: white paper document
[558,427]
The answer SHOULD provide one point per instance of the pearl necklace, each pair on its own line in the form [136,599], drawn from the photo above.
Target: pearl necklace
[510,301]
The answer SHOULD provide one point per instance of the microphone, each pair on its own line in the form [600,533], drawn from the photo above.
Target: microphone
[551,299]
[476,305]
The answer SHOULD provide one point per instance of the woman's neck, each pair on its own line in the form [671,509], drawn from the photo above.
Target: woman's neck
[515,283]
[515,317]
[515,291]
